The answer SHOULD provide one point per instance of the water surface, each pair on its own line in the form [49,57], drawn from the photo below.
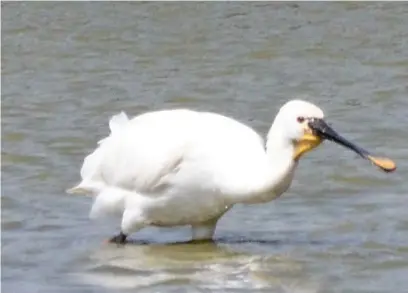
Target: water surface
[67,67]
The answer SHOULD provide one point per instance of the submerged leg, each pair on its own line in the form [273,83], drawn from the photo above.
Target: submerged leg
[203,231]
[118,239]
[131,223]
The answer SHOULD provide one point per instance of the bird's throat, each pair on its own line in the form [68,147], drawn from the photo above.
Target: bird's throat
[307,143]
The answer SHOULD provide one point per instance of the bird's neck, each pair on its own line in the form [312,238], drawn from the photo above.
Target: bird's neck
[275,174]
[279,151]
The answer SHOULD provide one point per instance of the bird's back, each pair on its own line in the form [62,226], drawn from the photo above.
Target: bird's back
[145,153]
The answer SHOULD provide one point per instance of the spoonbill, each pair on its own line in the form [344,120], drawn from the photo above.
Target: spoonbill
[183,167]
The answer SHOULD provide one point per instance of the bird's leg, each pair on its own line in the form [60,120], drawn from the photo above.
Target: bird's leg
[131,222]
[203,231]
[118,239]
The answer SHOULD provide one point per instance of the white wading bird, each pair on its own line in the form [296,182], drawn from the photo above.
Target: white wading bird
[182,167]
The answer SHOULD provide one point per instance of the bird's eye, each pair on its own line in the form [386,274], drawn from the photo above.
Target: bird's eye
[300,119]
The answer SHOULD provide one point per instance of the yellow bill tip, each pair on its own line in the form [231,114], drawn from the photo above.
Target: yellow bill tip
[384,163]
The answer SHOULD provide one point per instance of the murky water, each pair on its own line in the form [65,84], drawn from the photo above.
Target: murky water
[67,67]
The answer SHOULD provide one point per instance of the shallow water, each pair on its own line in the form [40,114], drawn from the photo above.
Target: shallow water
[67,67]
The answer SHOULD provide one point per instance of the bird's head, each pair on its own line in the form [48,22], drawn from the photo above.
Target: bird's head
[302,124]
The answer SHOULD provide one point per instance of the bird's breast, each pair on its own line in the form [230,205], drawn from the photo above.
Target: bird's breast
[186,207]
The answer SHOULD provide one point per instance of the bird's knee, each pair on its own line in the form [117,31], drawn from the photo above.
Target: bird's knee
[132,221]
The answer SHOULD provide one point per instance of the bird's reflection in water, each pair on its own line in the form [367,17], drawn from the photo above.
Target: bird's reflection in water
[222,264]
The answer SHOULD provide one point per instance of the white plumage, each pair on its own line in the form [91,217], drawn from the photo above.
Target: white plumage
[182,167]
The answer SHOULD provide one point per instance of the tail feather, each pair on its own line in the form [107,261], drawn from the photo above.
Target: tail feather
[116,124]
[108,199]
[118,121]
[86,188]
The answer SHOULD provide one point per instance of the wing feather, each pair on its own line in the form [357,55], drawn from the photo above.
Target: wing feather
[139,154]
